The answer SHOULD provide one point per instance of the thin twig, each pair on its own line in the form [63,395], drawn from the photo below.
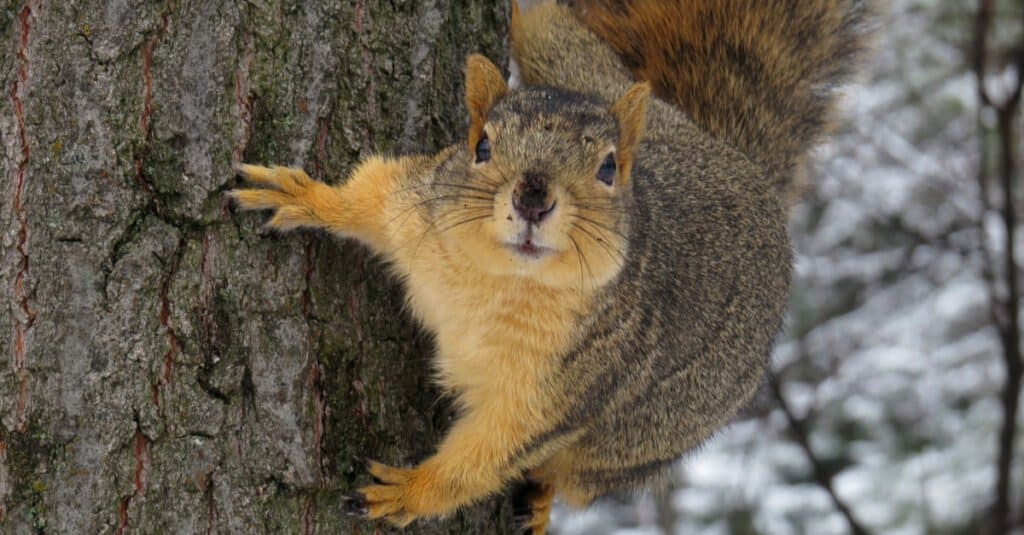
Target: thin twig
[821,474]
[1006,318]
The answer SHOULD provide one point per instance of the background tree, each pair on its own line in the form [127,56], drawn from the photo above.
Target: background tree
[166,366]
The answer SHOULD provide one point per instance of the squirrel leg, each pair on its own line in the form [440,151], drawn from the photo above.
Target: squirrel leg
[480,454]
[533,501]
[356,208]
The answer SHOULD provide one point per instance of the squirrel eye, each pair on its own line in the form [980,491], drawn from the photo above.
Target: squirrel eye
[606,173]
[483,149]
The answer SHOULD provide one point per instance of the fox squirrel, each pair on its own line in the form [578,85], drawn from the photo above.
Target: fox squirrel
[603,271]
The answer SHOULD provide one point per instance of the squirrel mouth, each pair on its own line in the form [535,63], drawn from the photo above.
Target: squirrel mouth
[529,249]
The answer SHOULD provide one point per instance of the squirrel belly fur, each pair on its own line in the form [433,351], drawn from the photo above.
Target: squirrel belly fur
[603,269]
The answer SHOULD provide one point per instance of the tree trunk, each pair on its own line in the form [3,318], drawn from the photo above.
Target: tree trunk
[168,367]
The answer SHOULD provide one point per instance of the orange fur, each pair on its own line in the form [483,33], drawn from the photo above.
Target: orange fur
[556,472]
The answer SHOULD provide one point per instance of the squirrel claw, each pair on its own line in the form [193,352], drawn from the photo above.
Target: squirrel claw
[370,466]
[527,523]
[521,522]
[363,462]
[354,504]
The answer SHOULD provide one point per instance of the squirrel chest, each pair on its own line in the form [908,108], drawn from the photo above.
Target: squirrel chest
[489,328]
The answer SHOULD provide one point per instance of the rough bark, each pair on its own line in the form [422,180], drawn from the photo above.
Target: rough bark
[167,367]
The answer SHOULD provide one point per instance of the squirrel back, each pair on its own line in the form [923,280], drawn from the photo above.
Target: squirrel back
[679,341]
[759,74]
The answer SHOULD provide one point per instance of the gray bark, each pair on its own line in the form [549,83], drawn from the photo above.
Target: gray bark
[168,367]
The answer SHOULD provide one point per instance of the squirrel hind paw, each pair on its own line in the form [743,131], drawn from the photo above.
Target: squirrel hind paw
[531,507]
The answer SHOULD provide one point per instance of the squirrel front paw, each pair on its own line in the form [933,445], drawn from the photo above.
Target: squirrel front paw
[401,495]
[290,192]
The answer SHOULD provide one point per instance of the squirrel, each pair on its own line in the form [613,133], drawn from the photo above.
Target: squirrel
[604,260]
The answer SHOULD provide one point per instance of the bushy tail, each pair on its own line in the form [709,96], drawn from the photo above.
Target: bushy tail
[757,73]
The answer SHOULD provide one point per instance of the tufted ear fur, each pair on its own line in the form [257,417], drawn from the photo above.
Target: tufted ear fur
[484,86]
[630,112]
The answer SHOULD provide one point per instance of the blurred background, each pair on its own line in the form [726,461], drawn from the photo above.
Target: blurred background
[892,405]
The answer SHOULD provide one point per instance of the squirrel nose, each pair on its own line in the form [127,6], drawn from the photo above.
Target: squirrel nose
[531,199]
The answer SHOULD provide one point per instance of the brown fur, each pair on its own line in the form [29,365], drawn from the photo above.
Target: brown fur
[589,349]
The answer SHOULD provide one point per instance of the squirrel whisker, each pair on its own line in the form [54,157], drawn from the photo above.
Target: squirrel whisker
[583,262]
[593,279]
[614,253]
[407,212]
[463,222]
[470,188]
[600,225]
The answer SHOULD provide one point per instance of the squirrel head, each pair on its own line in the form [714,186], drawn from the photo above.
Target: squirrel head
[542,188]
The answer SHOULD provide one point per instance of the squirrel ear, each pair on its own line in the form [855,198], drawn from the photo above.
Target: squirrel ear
[484,86]
[630,111]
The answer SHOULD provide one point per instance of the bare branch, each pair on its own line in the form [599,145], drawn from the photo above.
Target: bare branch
[821,474]
[982,22]
[1007,318]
